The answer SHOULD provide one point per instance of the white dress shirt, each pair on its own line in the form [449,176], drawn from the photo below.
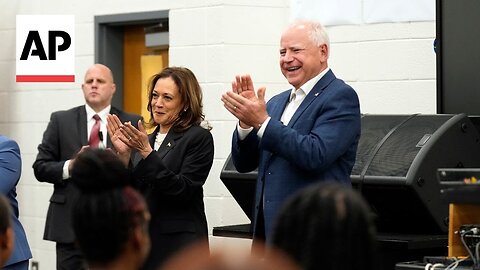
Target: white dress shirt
[90,122]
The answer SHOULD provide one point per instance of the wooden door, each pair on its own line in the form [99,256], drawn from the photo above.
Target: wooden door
[140,63]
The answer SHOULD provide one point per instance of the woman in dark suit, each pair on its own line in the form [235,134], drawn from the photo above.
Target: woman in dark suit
[171,164]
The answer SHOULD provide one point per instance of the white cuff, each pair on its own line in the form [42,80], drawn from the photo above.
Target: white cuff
[66,173]
[262,127]
[243,132]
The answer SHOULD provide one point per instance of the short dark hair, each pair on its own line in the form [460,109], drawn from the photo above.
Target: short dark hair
[108,207]
[327,226]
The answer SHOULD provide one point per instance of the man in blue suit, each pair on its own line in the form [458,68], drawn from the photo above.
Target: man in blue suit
[304,135]
[10,171]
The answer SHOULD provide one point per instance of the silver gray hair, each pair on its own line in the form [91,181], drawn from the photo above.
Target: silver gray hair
[317,32]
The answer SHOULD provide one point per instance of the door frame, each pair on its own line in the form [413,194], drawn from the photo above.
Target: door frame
[109,42]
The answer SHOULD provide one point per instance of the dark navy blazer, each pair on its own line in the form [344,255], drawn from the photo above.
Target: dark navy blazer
[319,144]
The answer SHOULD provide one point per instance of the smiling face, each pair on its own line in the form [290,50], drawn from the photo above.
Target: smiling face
[166,103]
[98,87]
[300,58]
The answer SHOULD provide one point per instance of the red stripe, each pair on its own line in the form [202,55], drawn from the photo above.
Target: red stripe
[45,78]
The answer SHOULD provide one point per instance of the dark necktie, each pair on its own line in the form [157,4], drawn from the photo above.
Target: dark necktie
[94,134]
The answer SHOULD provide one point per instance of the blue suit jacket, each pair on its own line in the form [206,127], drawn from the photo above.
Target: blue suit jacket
[10,171]
[319,144]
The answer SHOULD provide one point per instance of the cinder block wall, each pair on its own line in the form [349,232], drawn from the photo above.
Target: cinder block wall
[391,65]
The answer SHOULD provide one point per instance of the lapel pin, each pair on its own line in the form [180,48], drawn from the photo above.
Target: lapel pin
[169,145]
[316,94]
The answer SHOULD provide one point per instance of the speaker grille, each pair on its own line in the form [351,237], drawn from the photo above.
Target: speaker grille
[374,129]
[396,155]
[380,156]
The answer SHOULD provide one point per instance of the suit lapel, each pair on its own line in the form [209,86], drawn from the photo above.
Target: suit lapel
[312,95]
[151,138]
[168,143]
[82,125]
[278,108]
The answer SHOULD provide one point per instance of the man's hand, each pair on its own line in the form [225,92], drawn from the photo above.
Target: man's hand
[244,104]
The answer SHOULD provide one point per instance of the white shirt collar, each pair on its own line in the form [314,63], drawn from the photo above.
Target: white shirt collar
[308,86]
[103,113]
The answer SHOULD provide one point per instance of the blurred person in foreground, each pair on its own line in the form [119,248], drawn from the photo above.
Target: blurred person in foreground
[68,133]
[170,166]
[301,136]
[10,172]
[327,226]
[110,218]
[198,257]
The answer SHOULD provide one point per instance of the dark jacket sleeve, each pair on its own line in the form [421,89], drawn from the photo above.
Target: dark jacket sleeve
[245,153]
[48,167]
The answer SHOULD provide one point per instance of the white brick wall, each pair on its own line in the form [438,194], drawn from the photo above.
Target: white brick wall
[391,66]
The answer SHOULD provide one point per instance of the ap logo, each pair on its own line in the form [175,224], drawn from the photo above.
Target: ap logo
[45,48]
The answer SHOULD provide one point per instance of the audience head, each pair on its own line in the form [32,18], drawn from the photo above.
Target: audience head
[327,226]
[199,257]
[304,50]
[6,230]
[175,99]
[98,87]
[110,219]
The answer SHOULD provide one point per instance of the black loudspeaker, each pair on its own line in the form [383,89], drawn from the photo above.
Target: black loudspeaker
[396,167]
[240,185]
